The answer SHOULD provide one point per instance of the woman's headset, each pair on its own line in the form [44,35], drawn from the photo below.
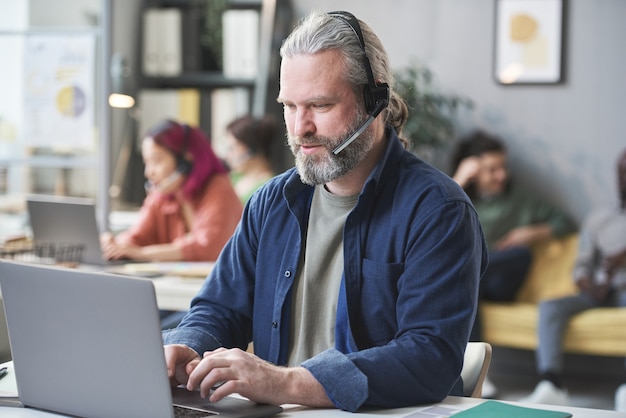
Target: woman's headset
[183,165]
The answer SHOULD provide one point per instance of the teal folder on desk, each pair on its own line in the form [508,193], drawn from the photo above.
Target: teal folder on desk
[495,409]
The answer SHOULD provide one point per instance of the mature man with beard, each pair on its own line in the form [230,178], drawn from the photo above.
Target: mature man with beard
[356,273]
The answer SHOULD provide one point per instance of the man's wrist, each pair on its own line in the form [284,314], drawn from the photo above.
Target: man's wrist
[301,387]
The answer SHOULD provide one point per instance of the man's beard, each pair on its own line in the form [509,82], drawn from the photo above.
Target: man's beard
[321,169]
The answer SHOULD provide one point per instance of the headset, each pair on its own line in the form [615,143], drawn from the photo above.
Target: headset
[375,95]
[183,165]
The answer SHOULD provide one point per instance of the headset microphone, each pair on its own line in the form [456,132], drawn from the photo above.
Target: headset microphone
[163,184]
[370,118]
[375,95]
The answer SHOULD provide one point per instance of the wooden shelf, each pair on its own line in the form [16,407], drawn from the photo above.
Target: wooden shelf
[197,80]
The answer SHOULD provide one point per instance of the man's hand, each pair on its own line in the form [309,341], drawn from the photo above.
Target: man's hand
[180,361]
[613,262]
[237,371]
[584,284]
[599,292]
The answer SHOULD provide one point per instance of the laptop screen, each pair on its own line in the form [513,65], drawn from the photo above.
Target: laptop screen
[66,221]
[86,343]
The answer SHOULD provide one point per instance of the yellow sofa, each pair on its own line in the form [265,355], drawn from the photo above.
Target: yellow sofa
[600,331]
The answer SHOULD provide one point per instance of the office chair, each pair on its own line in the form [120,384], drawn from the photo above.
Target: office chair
[475,367]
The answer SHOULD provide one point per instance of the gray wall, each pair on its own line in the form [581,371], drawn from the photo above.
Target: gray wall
[564,139]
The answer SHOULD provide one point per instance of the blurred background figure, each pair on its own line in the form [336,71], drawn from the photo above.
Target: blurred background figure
[249,142]
[600,274]
[513,219]
[191,209]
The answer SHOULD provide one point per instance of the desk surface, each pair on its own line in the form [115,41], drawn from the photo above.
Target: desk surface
[452,404]
[175,293]
[448,407]
[178,284]
[175,283]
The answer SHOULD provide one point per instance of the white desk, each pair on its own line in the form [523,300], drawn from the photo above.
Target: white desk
[297,412]
[174,293]
[452,403]
[178,285]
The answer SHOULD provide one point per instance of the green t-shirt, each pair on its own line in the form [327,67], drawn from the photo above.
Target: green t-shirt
[514,208]
[245,196]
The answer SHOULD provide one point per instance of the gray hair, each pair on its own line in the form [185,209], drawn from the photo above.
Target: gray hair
[320,31]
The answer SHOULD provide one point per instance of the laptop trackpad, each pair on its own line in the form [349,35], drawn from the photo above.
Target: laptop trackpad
[230,406]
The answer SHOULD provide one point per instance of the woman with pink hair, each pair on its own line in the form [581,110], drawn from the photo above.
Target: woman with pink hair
[191,209]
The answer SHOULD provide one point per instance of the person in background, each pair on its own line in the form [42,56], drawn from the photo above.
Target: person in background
[513,219]
[191,209]
[249,142]
[600,275]
[355,273]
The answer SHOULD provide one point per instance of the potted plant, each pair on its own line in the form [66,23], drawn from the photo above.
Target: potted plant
[430,124]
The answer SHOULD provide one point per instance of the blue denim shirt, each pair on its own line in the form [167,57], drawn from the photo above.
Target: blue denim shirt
[413,255]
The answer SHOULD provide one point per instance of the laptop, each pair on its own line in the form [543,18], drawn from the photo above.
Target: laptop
[88,343]
[67,220]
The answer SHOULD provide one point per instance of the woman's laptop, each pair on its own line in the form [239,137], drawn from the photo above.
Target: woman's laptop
[66,220]
[88,343]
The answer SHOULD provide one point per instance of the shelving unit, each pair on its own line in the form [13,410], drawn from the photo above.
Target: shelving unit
[207,80]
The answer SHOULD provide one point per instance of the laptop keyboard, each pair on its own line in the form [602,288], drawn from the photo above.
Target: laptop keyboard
[187,412]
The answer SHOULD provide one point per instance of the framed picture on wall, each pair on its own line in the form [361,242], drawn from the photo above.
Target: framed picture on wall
[529,41]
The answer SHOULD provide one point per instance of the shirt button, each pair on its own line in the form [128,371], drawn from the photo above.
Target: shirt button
[274,324]
[287,274]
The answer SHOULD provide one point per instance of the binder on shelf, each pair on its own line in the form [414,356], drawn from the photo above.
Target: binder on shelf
[171,42]
[181,105]
[162,42]
[151,42]
[226,105]
[240,43]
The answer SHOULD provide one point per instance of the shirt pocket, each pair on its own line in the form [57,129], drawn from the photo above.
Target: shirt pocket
[378,299]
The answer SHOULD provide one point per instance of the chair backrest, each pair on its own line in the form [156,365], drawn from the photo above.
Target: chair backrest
[475,367]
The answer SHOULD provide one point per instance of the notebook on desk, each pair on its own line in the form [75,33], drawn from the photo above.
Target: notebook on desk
[67,220]
[87,343]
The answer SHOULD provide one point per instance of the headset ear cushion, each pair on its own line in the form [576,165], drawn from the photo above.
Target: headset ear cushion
[184,166]
[368,98]
[374,95]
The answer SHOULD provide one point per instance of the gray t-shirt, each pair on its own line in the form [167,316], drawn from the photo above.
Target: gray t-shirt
[317,282]
[603,234]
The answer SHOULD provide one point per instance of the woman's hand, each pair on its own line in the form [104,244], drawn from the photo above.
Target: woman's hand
[112,250]
[467,171]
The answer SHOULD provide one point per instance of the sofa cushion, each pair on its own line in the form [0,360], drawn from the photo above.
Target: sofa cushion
[550,274]
[600,331]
